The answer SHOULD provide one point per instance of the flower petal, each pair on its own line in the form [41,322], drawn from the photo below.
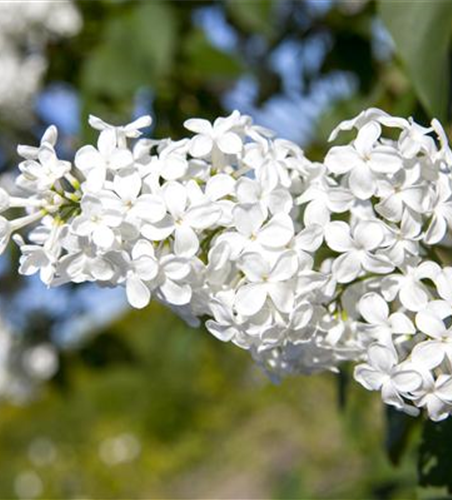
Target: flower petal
[337,236]
[250,299]
[277,233]
[374,309]
[138,293]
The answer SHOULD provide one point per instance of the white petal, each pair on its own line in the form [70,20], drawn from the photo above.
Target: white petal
[158,231]
[361,182]
[339,199]
[200,145]
[401,324]
[310,238]
[250,299]
[407,380]
[316,212]
[255,267]
[374,309]
[280,200]
[430,324]
[138,293]
[146,268]
[341,159]
[176,268]
[247,190]
[142,248]
[369,235]
[413,296]
[120,158]
[174,167]
[391,208]
[367,137]
[436,230]
[282,296]
[346,267]
[248,218]
[140,122]
[444,388]
[149,207]
[391,396]
[95,179]
[437,409]
[443,283]
[103,236]
[88,158]
[428,354]
[127,185]
[107,142]
[337,236]
[277,233]
[225,333]
[376,264]
[385,160]
[230,143]
[186,241]
[219,186]
[428,269]
[202,216]
[285,267]
[198,125]
[381,357]
[176,294]
[368,377]
[175,196]
[101,269]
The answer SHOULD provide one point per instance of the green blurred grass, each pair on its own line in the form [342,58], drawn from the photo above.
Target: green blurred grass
[210,425]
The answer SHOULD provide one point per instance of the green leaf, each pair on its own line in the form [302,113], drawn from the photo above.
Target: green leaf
[206,61]
[136,50]
[421,32]
[253,15]
[399,430]
[435,457]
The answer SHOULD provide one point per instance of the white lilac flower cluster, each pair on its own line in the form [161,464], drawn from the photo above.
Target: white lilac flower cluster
[25,29]
[304,264]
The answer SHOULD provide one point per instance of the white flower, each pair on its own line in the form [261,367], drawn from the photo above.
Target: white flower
[143,267]
[431,321]
[265,281]
[250,191]
[383,325]
[364,161]
[42,173]
[219,135]
[366,116]
[125,198]
[435,396]
[224,326]
[209,227]
[172,163]
[95,163]
[408,285]
[253,233]
[173,276]
[183,220]
[399,192]
[441,211]
[403,241]
[97,221]
[131,130]
[383,373]
[356,249]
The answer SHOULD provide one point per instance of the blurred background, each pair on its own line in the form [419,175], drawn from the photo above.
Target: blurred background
[102,402]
